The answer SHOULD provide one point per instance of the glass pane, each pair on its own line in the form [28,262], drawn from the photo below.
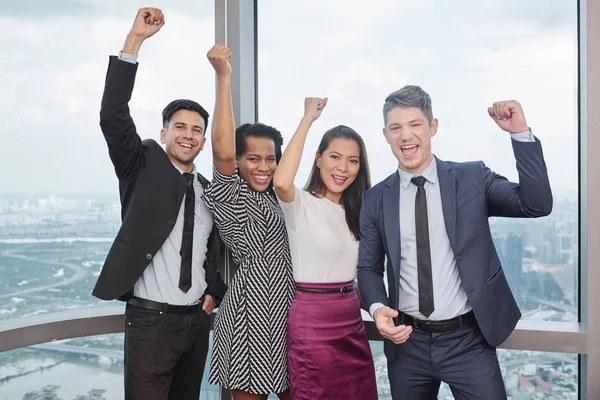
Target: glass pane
[466,55]
[527,375]
[72,368]
[60,212]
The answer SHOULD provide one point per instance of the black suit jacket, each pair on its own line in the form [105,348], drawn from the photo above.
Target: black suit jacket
[151,191]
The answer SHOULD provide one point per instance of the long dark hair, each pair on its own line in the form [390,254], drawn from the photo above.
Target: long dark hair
[352,196]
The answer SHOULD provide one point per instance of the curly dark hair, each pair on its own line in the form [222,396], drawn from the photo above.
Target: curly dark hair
[257,130]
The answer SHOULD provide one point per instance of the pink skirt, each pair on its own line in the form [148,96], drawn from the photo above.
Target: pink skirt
[328,351]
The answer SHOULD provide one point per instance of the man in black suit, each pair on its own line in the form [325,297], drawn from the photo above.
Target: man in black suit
[164,259]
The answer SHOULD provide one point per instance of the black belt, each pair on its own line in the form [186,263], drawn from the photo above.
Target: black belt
[343,290]
[462,321]
[165,308]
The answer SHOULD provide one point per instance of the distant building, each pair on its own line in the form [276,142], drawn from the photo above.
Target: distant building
[510,252]
[48,392]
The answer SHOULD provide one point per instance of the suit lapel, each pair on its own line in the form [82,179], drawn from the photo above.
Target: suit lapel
[447,180]
[181,189]
[391,219]
[203,181]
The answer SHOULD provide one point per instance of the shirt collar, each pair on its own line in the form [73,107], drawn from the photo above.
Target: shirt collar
[430,174]
[194,171]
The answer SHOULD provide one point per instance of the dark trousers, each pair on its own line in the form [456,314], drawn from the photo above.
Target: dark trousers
[165,354]
[461,358]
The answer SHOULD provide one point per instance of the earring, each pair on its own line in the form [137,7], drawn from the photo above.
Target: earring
[318,166]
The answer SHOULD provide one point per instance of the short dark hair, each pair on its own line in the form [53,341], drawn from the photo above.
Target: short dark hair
[183,104]
[352,196]
[257,130]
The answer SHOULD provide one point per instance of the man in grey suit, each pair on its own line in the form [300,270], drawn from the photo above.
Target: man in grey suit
[449,304]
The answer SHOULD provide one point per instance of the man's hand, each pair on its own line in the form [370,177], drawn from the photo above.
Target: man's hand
[219,57]
[384,320]
[313,106]
[147,22]
[209,304]
[509,116]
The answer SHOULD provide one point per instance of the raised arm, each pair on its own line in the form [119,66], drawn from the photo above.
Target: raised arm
[147,22]
[283,181]
[532,196]
[124,144]
[223,130]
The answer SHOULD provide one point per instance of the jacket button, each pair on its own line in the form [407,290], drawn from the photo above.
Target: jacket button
[149,256]
[171,222]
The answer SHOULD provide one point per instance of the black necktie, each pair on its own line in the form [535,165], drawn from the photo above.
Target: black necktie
[185,275]
[423,249]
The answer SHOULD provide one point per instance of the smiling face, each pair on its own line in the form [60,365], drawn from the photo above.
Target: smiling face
[338,166]
[184,138]
[409,133]
[258,163]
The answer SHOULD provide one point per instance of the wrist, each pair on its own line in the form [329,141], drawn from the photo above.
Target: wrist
[520,129]
[307,120]
[376,311]
[133,43]
[224,76]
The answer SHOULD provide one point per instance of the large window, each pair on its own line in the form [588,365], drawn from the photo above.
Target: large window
[71,368]
[466,55]
[59,204]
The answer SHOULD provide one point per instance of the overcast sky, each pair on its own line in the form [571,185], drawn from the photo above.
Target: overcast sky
[466,54]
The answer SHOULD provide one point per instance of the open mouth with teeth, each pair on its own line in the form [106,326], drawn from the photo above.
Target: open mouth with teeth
[261,179]
[186,147]
[339,179]
[409,150]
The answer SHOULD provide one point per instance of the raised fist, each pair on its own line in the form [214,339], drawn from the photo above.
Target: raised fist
[147,22]
[509,116]
[313,106]
[219,57]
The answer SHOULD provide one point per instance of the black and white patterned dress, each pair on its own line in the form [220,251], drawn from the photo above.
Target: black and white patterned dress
[249,348]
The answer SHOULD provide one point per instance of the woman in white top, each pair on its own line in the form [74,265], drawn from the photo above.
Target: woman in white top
[328,350]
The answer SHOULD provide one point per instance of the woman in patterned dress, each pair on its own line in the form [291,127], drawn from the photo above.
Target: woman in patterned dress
[249,348]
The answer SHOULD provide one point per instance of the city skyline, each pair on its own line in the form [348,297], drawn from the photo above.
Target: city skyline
[57,275]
